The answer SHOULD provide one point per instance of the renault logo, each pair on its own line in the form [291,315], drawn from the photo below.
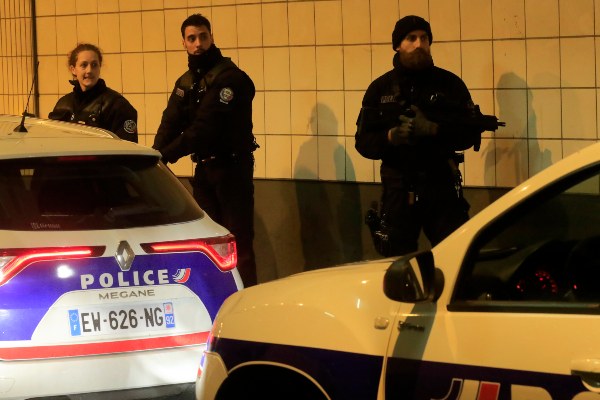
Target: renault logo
[124,256]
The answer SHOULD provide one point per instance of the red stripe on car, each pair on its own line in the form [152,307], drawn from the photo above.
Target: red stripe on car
[89,349]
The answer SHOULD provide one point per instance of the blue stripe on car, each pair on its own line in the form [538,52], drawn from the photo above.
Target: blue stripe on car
[343,375]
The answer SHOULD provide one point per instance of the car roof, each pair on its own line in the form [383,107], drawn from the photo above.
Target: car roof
[51,138]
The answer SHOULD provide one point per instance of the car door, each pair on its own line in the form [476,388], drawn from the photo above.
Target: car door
[521,318]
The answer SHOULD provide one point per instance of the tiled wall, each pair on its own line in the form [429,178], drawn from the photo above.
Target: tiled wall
[16,57]
[533,63]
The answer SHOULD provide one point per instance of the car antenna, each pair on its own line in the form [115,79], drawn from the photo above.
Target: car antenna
[21,126]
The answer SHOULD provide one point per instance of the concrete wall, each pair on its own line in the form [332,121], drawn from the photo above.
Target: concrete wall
[302,225]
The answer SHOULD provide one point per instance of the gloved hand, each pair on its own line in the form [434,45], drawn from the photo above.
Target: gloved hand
[422,126]
[401,134]
[166,159]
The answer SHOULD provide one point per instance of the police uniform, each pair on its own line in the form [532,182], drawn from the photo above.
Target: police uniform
[421,179]
[209,115]
[99,106]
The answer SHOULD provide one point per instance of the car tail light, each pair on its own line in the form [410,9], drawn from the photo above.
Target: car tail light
[221,250]
[13,261]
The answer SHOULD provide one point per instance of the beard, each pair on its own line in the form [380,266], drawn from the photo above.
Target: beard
[205,60]
[417,60]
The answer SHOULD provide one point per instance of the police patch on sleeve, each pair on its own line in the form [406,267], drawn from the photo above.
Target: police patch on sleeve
[226,95]
[179,92]
[130,126]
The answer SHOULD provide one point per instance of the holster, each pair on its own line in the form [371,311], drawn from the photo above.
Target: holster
[380,232]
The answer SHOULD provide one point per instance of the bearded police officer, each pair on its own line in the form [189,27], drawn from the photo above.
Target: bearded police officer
[209,115]
[412,119]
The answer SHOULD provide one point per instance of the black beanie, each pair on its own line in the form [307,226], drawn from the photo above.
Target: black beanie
[408,24]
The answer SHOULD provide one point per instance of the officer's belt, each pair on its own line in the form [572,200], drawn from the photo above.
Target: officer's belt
[221,158]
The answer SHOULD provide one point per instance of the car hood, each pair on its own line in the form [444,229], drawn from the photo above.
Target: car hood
[339,299]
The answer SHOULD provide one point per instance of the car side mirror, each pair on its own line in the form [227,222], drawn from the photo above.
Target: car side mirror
[414,278]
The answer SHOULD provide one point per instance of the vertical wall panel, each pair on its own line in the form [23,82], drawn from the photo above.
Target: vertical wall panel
[17,56]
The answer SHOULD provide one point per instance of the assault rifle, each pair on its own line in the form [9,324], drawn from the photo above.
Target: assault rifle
[436,109]
[475,119]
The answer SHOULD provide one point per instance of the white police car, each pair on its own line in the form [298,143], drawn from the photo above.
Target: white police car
[110,273]
[507,307]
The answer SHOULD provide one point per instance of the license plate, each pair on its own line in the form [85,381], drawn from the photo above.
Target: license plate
[97,321]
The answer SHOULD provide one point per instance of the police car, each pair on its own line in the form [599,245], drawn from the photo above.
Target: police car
[110,273]
[507,307]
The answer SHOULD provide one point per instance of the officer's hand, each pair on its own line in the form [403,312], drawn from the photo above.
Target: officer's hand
[162,157]
[166,159]
[423,126]
[401,134]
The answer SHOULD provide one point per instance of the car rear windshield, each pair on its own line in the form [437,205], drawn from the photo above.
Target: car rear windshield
[91,192]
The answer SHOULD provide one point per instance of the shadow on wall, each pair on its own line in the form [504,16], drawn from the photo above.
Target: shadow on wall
[330,221]
[517,154]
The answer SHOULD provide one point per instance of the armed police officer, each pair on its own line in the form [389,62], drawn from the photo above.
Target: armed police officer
[415,118]
[209,115]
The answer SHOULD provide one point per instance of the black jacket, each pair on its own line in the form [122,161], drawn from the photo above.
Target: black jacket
[101,107]
[440,94]
[208,114]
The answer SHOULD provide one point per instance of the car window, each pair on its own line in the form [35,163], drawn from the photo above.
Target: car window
[544,255]
[84,193]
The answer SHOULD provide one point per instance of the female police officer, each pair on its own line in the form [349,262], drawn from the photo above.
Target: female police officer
[91,102]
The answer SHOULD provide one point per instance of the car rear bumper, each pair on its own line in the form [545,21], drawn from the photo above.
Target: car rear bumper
[160,372]
[184,391]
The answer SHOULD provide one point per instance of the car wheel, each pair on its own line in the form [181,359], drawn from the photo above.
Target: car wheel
[268,382]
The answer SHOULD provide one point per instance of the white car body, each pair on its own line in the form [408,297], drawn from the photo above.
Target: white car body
[469,320]
[129,320]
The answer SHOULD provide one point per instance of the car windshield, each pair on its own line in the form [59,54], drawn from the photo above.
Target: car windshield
[91,192]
